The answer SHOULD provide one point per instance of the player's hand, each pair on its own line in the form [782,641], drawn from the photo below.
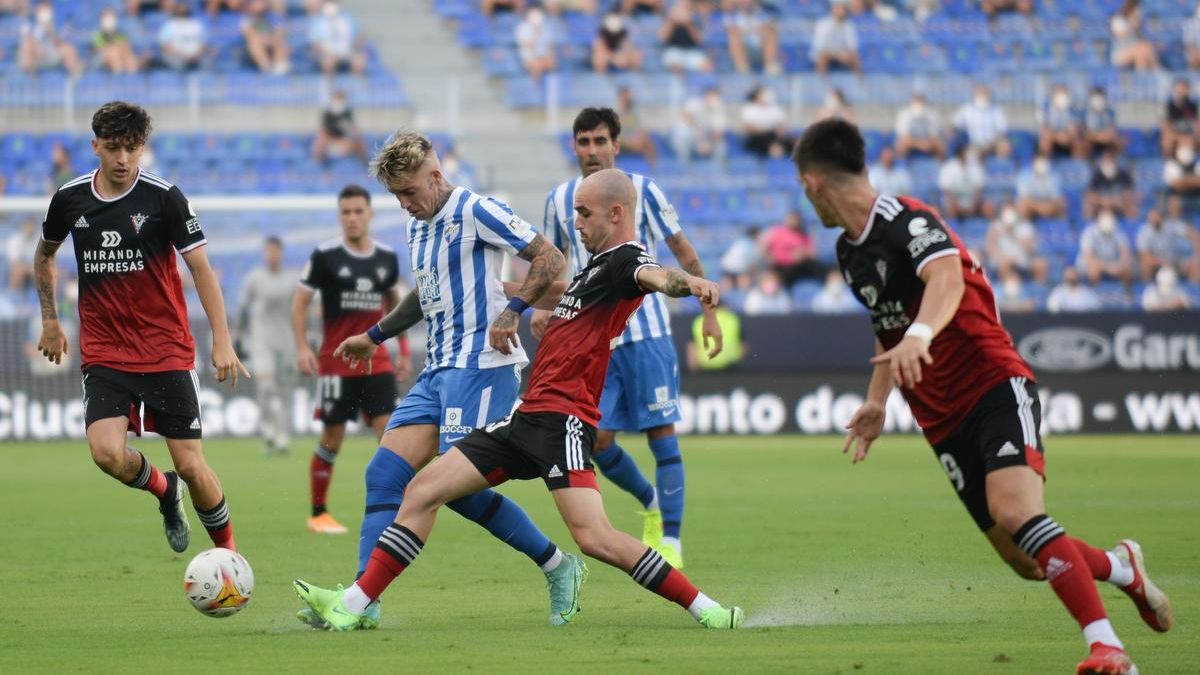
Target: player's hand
[707,292]
[862,430]
[227,364]
[306,361]
[714,341]
[503,333]
[904,361]
[52,344]
[355,350]
[404,368]
[541,318]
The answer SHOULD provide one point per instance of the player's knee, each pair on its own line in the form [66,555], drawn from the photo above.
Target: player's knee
[110,457]
[422,495]
[190,469]
[593,541]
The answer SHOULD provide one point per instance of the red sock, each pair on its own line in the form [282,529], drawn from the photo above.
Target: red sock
[657,575]
[1066,567]
[320,473]
[382,568]
[678,589]
[223,537]
[216,522]
[1097,559]
[157,485]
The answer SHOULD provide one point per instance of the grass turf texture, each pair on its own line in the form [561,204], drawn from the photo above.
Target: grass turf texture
[841,569]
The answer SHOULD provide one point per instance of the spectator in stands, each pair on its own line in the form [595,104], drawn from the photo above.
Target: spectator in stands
[993,7]
[490,7]
[555,8]
[1039,193]
[535,43]
[215,7]
[835,105]
[1169,243]
[682,40]
[1127,48]
[753,36]
[1100,131]
[641,7]
[42,48]
[1110,187]
[334,40]
[182,41]
[62,169]
[1180,118]
[112,47]
[984,123]
[1072,296]
[1012,246]
[1104,251]
[887,178]
[338,133]
[1059,131]
[835,296]
[265,35]
[961,180]
[790,251]
[613,48]
[919,130]
[742,259]
[699,128]
[16,7]
[1182,177]
[1191,39]
[17,248]
[835,41]
[1164,295]
[1011,296]
[764,124]
[135,8]
[634,137]
[768,297]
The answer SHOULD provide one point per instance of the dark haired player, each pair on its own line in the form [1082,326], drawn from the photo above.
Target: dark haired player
[641,390]
[938,337]
[356,277]
[550,435]
[138,356]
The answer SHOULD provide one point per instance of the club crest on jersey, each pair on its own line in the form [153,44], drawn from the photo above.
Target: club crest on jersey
[450,229]
[138,220]
[381,272]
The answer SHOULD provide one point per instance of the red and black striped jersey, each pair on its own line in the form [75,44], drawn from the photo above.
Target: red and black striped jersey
[132,313]
[352,287]
[973,353]
[572,359]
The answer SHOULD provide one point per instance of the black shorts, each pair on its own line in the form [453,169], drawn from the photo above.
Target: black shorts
[342,398]
[166,402]
[1000,431]
[554,447]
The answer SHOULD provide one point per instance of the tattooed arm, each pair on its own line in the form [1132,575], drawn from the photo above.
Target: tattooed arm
[52,344]
[683,251]
[676,283]
[546,264]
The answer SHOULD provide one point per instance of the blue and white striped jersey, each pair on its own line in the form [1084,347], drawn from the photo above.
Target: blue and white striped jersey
[456,259]
[654,221]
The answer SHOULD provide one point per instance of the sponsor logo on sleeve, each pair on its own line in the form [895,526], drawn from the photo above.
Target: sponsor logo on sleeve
[923,237]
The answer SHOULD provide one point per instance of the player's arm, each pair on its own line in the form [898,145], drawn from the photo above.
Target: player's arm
[52,344]
[689,260]
[546,265]
[391,300]
[677,283]
[867,423]
[305,359]
[545,304]
[224,359]
[553,227]
[944,286]
[360,348]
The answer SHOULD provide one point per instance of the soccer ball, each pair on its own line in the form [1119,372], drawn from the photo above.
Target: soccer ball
[218,582]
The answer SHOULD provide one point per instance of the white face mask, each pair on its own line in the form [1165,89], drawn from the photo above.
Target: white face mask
[1041,167]
[1012,287]
[108,23]
[45,15]
[1185,155]
[534,17]
[1108,169]
[1106,223]
[1008,216]
[1062,100]
[1165,279]
[612,23]
[1097,102]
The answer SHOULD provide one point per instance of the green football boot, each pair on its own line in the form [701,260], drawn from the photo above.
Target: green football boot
[652,528]
[564,583]
[327,606]
[719,617]
[369,621]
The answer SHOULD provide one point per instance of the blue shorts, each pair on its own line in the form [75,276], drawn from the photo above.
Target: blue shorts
[641,390]
[458,400]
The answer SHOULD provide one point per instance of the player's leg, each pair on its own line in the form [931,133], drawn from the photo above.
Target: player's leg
[320,475]
[402,451]
[655,392]
[208,497]
[266,391]
[1025,567]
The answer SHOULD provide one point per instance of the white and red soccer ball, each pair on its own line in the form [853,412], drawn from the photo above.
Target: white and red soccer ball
[218,582]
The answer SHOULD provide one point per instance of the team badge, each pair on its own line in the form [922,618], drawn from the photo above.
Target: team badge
[450,229]
[138,219]
[381,272]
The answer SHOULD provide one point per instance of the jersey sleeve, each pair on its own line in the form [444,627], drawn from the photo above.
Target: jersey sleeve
[550,223]
[499,226]
[921,238]
[660,215]
[392,281]
[55,227]
[183,227]
[314,275]
[627,262]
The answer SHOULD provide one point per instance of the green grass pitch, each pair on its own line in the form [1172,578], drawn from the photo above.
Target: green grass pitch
[874,568]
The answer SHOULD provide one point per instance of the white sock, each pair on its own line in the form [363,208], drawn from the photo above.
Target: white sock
[701,603]
[653,505]
[554,561]
[674,543]
[1122,574]
[1101,631]
[355,600]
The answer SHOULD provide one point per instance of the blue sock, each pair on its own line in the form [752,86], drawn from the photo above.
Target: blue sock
[669,476]
[619,467]
[507,522]
[387,475]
